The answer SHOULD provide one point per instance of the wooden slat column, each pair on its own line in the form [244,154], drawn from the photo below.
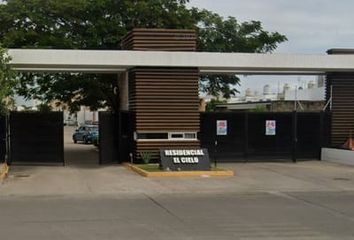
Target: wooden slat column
[163,99]
[160,40]
[342,87]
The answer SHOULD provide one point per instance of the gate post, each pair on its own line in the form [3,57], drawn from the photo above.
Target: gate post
[321,133]
[294,135]
[120,152]
[246,138]
[8,158]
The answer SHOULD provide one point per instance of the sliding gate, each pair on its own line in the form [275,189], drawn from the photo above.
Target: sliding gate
[294,135]
[36,137]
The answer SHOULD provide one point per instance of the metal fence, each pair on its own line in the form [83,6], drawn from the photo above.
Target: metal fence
[295,136]
[38,137]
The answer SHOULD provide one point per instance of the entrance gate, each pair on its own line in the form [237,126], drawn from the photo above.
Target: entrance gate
[297,135]
[116,138]
[36,137]
[108,137]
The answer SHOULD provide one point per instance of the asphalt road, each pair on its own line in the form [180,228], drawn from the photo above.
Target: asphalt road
[320,215]
[83,201]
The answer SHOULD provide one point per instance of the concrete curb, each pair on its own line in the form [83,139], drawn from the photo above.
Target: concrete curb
[4,171]
[224,173]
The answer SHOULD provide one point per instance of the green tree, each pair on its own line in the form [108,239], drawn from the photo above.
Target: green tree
[100,24]
[211,106]
[217,34]
[45,108]
[260,108]
[5,80]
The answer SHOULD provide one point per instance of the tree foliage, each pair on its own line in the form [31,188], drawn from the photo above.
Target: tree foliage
[45,108]
[211,106]
[6,82]
[100,24]
[217,34]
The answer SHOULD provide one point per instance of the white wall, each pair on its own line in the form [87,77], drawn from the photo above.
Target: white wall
[313,94]
[341,156]
[86,115]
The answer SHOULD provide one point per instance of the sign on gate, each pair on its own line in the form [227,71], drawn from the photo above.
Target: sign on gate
[221,127]
[270,128]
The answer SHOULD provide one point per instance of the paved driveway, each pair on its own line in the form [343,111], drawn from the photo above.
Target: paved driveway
[82,200]
[92,179]
[79,155]
[83,176]
[305,201]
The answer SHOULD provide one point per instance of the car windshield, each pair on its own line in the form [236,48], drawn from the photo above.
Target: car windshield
[93,129]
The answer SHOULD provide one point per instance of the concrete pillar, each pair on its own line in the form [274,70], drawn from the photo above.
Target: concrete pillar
[340,86]
[164,102]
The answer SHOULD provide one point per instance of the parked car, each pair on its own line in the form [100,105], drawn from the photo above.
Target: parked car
[70,122]
[85,133]
[96,140]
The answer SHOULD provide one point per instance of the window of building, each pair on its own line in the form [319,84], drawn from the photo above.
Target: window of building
[170,136]
[175,136]
[153,136]
[190,135]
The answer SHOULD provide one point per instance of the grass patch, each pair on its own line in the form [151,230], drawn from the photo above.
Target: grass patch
[150,167]
[156,168]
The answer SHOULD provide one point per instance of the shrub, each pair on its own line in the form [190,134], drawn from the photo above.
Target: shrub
[146,157]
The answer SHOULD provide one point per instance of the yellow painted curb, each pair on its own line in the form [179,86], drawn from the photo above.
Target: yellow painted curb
[4,171]
[224,173]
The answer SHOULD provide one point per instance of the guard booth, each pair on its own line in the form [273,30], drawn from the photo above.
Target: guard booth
[163,101]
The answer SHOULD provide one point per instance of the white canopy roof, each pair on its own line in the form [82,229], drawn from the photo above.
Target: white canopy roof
[111,61]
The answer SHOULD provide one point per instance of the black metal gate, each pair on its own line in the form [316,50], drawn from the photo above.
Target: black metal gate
[126,138]
[298,135]
[115,137]
[276,146]
[109,140]
[36,137]
[2,138]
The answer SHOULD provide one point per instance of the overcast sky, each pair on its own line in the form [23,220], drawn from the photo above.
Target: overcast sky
[312,26]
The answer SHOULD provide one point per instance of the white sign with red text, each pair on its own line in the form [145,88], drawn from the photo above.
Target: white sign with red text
[271,127]
[221,127]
